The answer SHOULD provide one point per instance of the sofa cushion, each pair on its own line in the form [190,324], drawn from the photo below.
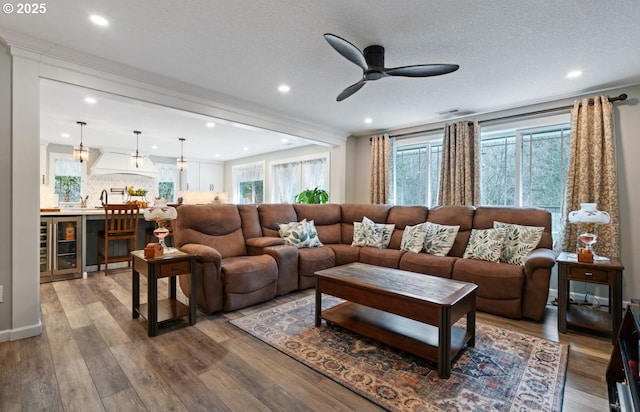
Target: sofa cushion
[439,238]
[403,216]
[352,212]
[413,238]
[311,260]
[428,264]
[327,218]
[389,258]
[344,253]
[500,285]
[519,241]
[300,234]
[272,214]
[486,215]
[248,273]
[455,216]
[485,244]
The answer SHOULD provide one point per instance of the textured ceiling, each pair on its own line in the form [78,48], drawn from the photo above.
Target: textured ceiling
[511,53]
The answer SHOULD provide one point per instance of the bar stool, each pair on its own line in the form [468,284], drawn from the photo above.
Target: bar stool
[120,223]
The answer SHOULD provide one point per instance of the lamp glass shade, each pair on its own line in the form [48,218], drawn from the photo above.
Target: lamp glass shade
[81,153]
[181,164]
[589,214]
[137,160]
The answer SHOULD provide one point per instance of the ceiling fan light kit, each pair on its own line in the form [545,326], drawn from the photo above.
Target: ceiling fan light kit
[371,61]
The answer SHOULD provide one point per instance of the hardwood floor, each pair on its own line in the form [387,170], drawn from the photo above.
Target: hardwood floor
[93,356]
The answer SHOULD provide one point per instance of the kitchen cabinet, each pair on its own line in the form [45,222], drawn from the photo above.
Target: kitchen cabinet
[205,177]
[60,248]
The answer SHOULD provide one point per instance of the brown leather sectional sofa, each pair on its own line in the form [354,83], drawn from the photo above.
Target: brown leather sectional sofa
[242,260]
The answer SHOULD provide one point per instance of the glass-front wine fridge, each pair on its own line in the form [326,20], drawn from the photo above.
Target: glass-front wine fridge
[60,248]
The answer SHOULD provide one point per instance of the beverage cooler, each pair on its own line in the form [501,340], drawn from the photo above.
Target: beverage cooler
[60,248]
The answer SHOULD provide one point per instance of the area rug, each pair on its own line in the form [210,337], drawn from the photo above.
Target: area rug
[504,371]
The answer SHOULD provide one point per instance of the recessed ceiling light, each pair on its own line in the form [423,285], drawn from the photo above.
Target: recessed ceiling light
[155,146]
[283,88]
[217,154]
[573,74]
[99,20]
[368,120]
[284,140]
[65,135]
[245,149]
[211,124]
[90,100]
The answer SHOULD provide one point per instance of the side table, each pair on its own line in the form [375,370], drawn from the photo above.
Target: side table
[172,265]
[602,273]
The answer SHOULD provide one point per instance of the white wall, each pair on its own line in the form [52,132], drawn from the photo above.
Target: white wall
[627,115]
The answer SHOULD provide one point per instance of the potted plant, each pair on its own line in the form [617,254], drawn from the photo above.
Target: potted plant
[313,196]
[66,185]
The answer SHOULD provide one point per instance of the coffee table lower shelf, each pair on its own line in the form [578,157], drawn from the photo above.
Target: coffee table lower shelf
[168,309]
[415,337]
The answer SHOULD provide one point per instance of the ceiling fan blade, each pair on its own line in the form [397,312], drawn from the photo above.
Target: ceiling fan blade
[422,70]
[351,90]
[346,49]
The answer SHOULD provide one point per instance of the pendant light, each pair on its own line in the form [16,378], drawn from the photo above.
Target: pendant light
[181,163]
[81,153]
[136,158]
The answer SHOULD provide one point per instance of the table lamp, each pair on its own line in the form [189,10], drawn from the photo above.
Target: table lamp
[588,216]
[161,214]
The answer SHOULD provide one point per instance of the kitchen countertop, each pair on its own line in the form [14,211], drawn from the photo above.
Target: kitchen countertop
[75,211]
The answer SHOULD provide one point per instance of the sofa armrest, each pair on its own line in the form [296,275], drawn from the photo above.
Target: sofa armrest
[204,253]
[539,258]
[256,245]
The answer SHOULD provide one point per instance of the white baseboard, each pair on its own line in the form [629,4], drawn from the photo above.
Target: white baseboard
[21,333]
[579,297]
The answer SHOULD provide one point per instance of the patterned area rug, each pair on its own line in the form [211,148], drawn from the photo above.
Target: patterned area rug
[505,371]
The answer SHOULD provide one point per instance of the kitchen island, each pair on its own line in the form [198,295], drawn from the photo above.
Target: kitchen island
[91,221]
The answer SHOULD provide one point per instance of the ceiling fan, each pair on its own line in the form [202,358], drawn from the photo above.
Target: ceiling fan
[371,61]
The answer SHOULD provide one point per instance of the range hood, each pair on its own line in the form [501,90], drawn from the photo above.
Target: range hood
[119,163]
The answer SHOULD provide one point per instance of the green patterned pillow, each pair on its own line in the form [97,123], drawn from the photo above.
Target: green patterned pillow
[519,241]
[366,234]
[299,234]
[485,244]
[413,238]
[439,238]
[387,231]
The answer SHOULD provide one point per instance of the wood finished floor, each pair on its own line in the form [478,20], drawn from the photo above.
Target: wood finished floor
[92,356]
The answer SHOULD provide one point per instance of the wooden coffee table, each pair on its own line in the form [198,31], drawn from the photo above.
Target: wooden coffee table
[407,310]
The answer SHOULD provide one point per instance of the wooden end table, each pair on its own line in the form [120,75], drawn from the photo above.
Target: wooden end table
[601,273]
[170,265]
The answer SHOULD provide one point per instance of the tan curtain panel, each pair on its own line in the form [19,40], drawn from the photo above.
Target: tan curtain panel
[381,169]
[592,174]
[459,176]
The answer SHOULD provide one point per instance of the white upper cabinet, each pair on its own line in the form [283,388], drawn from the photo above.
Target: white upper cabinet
[205,177]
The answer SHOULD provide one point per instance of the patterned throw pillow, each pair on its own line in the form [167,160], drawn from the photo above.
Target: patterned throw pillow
[366,233]
[387,231]
[413,238]
[439,238]
[299,234]
[485,244]
[519,241]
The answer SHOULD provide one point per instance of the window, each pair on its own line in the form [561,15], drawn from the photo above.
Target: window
[418,174]
[167,181]
[526,168]
[67,177]
[248,183]
[293,176]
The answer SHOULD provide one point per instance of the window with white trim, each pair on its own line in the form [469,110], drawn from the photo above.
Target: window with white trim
[418,173]
[248,183]
[167,181]
[66,177]
[292,176]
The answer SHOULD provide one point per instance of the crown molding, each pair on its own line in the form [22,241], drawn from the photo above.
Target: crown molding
[64,64]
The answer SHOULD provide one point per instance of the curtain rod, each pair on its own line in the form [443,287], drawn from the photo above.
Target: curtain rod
[619,98]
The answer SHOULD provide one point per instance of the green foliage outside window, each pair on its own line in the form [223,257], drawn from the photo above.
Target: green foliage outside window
[166,190]
[68,188]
